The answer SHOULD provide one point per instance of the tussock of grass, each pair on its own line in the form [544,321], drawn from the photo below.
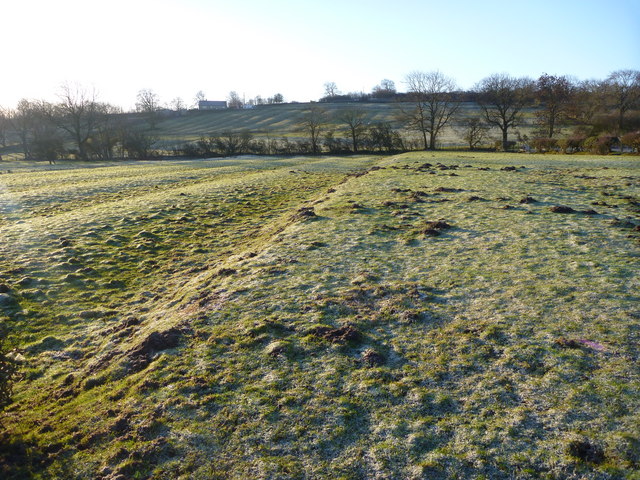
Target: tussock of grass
[239,321]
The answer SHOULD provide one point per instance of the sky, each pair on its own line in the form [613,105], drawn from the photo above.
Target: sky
[293,47]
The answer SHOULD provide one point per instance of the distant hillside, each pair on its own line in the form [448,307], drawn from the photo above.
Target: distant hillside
[280,119]
[283,120]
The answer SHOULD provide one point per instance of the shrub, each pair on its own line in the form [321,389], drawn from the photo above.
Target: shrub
[382,137]
[335,145]
[544,144]
[573,144]
[510,146]
[632,139]
[600,145]
[191,150]
[138,145]
[474,131]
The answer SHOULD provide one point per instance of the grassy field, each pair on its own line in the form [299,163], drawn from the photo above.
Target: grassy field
[419,316]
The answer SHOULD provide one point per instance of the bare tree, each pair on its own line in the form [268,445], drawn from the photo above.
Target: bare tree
[199,97]
[109,134]
[553,95]
[312,122]
[148,103]
[79,114]
[331,90]
[386,89]
[234,100]
[22,122]
[433,95]
[355,119]
[502,98]
[587,99]
[623,88]
[39,134]
[178,105]
[474,131]
[5,124]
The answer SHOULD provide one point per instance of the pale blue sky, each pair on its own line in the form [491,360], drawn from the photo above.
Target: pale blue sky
[177,47]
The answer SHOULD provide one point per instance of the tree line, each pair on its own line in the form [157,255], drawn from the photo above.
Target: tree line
[569,115]
[591,113]
[78,126]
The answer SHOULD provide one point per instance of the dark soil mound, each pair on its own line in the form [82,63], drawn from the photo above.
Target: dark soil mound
[225,272]
[561,209]
[585,450]
[439,225]
[305,212]
[433,229]
[445,189]
[158,341]
[337,335]
[372,358]
[568,343]
[142,355]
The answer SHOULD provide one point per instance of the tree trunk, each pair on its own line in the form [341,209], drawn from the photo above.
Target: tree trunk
[82,151]
[25,145]
[504,140]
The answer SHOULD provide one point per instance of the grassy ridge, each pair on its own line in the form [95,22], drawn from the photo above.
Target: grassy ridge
[370,317]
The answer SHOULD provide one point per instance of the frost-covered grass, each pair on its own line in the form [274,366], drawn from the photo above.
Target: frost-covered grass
[325,318]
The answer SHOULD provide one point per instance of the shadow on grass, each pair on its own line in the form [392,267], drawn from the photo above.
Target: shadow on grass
[22,459]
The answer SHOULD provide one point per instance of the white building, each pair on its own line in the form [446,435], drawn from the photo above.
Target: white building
[212,105]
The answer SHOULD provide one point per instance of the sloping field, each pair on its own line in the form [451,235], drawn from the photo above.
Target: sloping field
[281,119]
[410,317]
[285,120]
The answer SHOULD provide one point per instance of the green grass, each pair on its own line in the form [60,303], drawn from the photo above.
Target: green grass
[308,324]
